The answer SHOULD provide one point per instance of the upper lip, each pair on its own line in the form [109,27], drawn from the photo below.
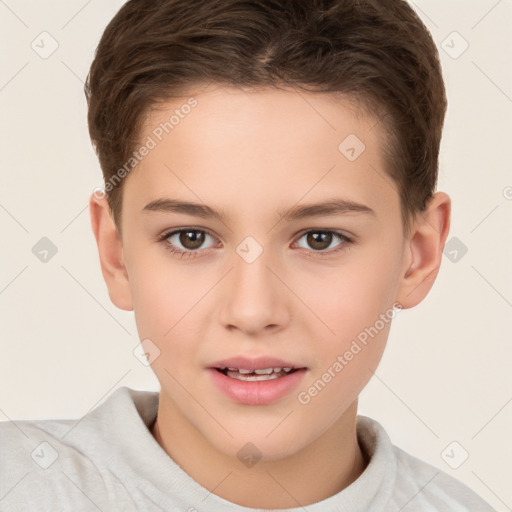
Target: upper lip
[255,363]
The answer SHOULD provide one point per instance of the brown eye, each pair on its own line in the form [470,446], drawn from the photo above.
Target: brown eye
[191,239]
[319,240]
[187,241]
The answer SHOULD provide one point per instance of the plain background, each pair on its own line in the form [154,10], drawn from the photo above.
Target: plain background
[65,347]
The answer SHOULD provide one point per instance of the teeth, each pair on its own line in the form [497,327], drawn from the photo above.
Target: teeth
[262,371]
[253,377]
[259,374]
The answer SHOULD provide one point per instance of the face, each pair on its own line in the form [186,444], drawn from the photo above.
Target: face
[273,275]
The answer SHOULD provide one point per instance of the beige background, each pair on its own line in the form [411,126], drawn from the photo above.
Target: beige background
[64,347]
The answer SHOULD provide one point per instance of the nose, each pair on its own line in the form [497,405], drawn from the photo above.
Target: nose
[254,299]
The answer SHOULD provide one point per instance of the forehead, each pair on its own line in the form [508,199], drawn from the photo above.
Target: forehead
[227,145]
[261,112]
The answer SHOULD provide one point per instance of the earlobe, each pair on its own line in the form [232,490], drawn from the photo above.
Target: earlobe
[425,250]
[110,251]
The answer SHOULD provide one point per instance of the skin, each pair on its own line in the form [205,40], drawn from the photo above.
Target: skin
[235,152]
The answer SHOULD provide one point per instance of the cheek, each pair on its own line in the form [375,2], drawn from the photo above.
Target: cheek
[356,304]
[352,298]
[166,302]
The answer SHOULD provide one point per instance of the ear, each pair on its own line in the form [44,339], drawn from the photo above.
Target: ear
[424,250]
[110,250]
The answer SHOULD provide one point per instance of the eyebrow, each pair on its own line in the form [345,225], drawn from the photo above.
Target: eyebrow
[333,206]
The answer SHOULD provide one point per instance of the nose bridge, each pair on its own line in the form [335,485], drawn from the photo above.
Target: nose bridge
[251,269]
[254,299]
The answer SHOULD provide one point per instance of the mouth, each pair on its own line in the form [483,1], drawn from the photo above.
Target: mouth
[256,368]
[256,381]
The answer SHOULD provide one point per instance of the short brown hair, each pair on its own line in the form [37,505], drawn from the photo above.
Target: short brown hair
[377,52]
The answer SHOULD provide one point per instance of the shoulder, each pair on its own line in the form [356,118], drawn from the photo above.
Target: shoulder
[33,443]
[431,488]
[415,484]
[40,470]
[62,464]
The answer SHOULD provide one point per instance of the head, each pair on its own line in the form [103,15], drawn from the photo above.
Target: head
[255,110]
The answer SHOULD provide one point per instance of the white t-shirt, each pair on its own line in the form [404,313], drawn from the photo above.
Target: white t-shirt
[109,461]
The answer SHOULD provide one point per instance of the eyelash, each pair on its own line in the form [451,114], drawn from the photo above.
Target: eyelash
[343,246]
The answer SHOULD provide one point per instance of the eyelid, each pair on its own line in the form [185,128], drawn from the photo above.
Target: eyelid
[340,232]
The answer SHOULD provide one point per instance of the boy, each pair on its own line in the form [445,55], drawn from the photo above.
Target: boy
[236,139]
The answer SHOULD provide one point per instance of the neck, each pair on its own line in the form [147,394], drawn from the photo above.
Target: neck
[320,470]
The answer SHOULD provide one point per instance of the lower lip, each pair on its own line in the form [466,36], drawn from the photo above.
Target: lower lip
[259,392]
